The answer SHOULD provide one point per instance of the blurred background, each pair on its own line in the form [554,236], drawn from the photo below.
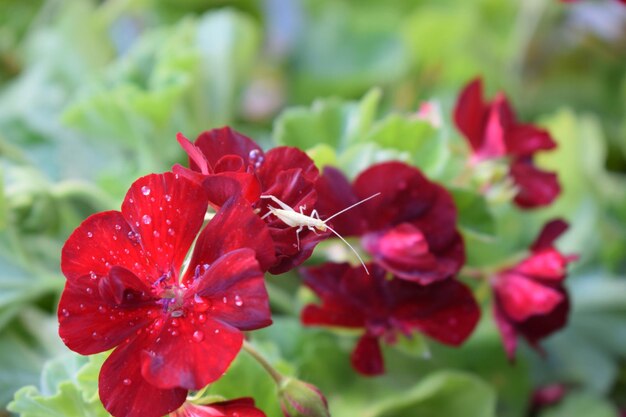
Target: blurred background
[92,94]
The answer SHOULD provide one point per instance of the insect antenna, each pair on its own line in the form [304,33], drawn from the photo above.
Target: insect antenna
[354,205]
[350,246]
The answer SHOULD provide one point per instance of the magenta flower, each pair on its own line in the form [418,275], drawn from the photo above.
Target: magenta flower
[240,407]
[530,299]
[410,229]
[384,308]
[227,162]
[173,329]
[492,130]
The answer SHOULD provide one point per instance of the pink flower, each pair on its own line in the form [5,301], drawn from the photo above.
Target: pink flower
[173,329]
[384,308]
[530,299]
[227,162]
[410,229]
[240,407]
[492,130]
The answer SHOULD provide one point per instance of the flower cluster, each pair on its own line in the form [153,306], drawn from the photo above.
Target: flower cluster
[493,131]
[171,281]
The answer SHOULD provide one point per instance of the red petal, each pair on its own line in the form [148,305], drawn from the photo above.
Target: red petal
[536,188]
[507,331]
[99,313]
[550,232]
[217,143]
[166,211]
[367,357]
[235,226]
[286,158]
[521,297]
[235,287]
[332,314]
[445,310]
[101,241]
[493,144]
[525,140]
[196,157]
[241,407]
[470,113]
[335,194]
[546,264]
[406,194]
[190,352]
[125,393]
[538,327]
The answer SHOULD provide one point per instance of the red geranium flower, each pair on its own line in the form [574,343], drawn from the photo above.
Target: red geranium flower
[530,299]
[226,161]
[493,131]
[173,330]
[410,229]
[240,407]
[384,308]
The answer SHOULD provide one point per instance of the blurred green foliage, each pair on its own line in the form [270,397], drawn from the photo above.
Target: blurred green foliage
[93,92]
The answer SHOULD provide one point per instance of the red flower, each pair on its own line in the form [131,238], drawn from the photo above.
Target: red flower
[172,330]
[530,299]
[493,131]
[240,407]
[226,161]
[384,308]
[410,229]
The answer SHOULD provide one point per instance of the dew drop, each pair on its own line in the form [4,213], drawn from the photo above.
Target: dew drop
[205,266]
[127,382]
[155,233]
[118,227]
[65,313]
[198,336]
[89,290]
[175,323]
[168,197]
[126,251]
[94,335]
[145,190]
[216,331]
[114,237]
[238,301]
[81,306]
[146,219]
[92,275]
[131,201]
[177,313]
[170,231]
[168,221]
[102,309]
[89,234]
[174,333]
[201,318]
[224,299]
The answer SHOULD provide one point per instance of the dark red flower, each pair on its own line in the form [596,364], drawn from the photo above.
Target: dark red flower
[240,407]
[410,229]
[173,329]
[384,308]
[530,299]
[226,161]
[493,131]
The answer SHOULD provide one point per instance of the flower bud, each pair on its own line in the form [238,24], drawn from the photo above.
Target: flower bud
[299,399]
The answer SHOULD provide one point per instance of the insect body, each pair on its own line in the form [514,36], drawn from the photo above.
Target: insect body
[312,222]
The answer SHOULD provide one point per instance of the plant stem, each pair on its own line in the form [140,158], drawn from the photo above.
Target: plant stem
[276,376]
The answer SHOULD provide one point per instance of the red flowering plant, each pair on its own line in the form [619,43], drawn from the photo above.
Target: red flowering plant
[530,299]
[493,131]
[411,234]
[173,329]
[227,162]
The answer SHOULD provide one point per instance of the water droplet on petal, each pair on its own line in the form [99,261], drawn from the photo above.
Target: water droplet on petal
[92,275]
[174,333]
[146,219]
[65,313]
[131,201]
[224,299]
[168,221]
[201,318]
[238,301]
[175,323]
[102,309]
[198,336]
[127,382]
[205,266]
[118,227]
[81,306]
[168,197]
[89,234]
[155,233]
[94,335]
[89,290]
[170,231]
[216,331]
[145,190]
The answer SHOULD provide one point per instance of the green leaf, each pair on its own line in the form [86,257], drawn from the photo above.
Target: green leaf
[65,391]
[474,214]
[359,157]
[323,155]
[582,404]
[332,121]
[428,149]
[415,346]
[444,393]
